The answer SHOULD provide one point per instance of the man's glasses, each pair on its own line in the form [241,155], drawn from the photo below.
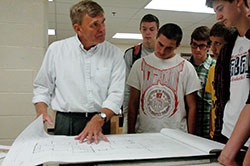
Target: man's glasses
[201,46]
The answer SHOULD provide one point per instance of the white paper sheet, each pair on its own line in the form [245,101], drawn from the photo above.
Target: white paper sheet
[3,154]
[192,140]
[33,146]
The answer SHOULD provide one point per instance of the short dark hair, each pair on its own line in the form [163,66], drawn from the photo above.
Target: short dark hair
[201,33]
[245,1]
[209,3]
[89,7]
[220,30]
[150,18]
[171,31]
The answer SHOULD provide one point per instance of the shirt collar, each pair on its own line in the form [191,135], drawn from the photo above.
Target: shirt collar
[207,63]
[81,46]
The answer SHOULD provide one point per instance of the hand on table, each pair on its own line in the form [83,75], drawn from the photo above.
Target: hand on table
[92,131]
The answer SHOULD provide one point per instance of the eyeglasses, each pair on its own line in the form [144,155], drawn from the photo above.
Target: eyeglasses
[201,46]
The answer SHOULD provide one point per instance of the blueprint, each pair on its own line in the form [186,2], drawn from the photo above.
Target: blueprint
[34,146]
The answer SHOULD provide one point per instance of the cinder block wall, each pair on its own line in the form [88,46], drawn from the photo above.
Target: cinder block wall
[23,42]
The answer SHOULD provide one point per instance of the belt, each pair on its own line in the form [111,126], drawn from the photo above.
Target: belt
[88,114]
[85,114]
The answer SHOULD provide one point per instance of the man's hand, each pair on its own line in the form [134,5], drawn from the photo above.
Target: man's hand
[41,108]
[93,130]
[46,117]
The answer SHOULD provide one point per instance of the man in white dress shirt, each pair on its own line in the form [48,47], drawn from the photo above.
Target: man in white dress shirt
[82,78]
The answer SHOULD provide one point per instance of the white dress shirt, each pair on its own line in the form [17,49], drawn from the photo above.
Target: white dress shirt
[72,79]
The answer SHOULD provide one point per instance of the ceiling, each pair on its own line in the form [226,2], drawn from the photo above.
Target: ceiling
[128,14]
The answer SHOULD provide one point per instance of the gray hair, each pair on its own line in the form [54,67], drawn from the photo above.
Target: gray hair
[88,7]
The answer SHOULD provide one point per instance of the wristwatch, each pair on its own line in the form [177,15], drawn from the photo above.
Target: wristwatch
[103,116]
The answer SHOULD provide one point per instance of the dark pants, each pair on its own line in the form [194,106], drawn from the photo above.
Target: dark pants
[220,138]
[72,124]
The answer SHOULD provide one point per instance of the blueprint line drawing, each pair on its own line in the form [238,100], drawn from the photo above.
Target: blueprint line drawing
[34,146]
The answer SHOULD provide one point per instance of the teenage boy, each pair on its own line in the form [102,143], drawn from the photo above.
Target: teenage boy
[149,26]
[235,13]
[200,45]
[158,85]
[219,35]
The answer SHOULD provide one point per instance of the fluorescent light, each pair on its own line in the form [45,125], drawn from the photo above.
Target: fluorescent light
[50,0]
[127,36]
[196,6]
[51,32]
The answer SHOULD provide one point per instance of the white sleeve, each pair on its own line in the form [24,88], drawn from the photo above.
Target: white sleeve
[117,84]
[44,83]
[134,75]
[192,80]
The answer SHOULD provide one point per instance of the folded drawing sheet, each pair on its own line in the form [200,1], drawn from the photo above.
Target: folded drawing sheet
[34,146]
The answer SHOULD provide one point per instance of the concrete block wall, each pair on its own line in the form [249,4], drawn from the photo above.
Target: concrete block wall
[23,42]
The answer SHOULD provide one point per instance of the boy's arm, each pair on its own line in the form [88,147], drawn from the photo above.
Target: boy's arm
[191,116]
[240,135]
[133,106]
